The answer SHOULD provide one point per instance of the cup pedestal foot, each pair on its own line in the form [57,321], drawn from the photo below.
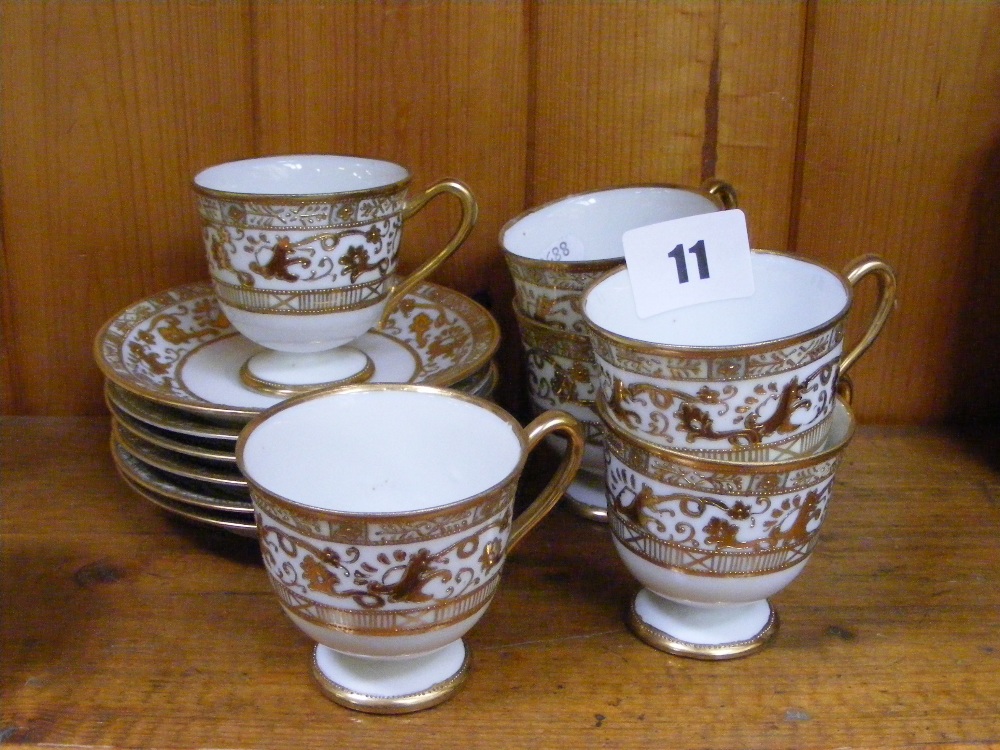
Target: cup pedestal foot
[391,686]
[712,633]
[585,495]
[287,374]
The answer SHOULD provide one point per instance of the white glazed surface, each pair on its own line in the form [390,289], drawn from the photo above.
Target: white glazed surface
[310,333]
[305,174]
[706,626]
[178,349]
[381,452]
[704,591]
[791,297]
[385,596]
[597,220]
[399,646]
[302,244]
[591,224]
[387,678]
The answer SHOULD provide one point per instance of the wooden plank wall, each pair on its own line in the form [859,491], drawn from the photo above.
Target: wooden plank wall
[846,127]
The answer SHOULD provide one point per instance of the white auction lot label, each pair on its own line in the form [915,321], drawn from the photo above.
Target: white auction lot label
[688,261]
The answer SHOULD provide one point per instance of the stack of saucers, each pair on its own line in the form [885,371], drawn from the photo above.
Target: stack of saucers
[173,387]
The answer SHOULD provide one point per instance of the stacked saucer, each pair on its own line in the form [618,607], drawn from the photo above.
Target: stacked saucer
[173,388]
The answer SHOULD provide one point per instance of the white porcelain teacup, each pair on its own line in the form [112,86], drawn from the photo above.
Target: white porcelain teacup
[385,513]
[556,250]
[711,540]
[754,378]
[302,253]
[561,374]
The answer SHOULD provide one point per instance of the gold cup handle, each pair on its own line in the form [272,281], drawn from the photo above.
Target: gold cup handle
[885,277]
[470,212]
[544,424]
[722,191]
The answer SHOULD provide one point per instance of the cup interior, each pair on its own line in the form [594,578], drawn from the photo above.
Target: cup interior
[310,174]
[791,296]
[381,450]
[596,221]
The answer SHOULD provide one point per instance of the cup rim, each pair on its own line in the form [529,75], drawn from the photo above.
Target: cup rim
[653,347]
[457,505]
[692,460]
[300,198]
[587,265]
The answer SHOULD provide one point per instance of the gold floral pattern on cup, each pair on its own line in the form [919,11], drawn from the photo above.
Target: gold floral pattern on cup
[756,400]
[710,540]
[385,514]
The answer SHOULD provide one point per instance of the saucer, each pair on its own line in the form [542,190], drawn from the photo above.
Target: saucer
[180,424]
[177,349]
[218,519]
[181,492]
[178,464]
[205,449]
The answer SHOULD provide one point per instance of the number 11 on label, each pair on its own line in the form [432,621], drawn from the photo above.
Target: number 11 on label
[698,250]
[689,261]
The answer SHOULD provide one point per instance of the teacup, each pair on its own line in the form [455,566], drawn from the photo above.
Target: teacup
[711,540]
[752,379]
[555,251]
[385,513]
[302,253]
[561,374]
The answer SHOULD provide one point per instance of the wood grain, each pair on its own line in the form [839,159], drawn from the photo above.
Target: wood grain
[108,108]
[620,94]
[125,628]
[669,92]
[902,128]
[439,87]
[845,127]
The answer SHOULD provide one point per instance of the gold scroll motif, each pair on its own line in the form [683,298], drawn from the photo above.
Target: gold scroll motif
[753,428]
[554,311]
[307,259]
[664,528]
[159,343]
[733,480]
[393,576]
[433,329]
[648,361]
[350,529]
[558,276]
[283,214]
[563,386]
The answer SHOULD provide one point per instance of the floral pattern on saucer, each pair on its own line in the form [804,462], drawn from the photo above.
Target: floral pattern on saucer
[436,336]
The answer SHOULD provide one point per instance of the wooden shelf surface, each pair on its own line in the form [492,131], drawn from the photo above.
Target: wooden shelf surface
[124,627]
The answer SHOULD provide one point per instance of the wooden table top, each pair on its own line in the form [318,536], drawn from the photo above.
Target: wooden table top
[125,627]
